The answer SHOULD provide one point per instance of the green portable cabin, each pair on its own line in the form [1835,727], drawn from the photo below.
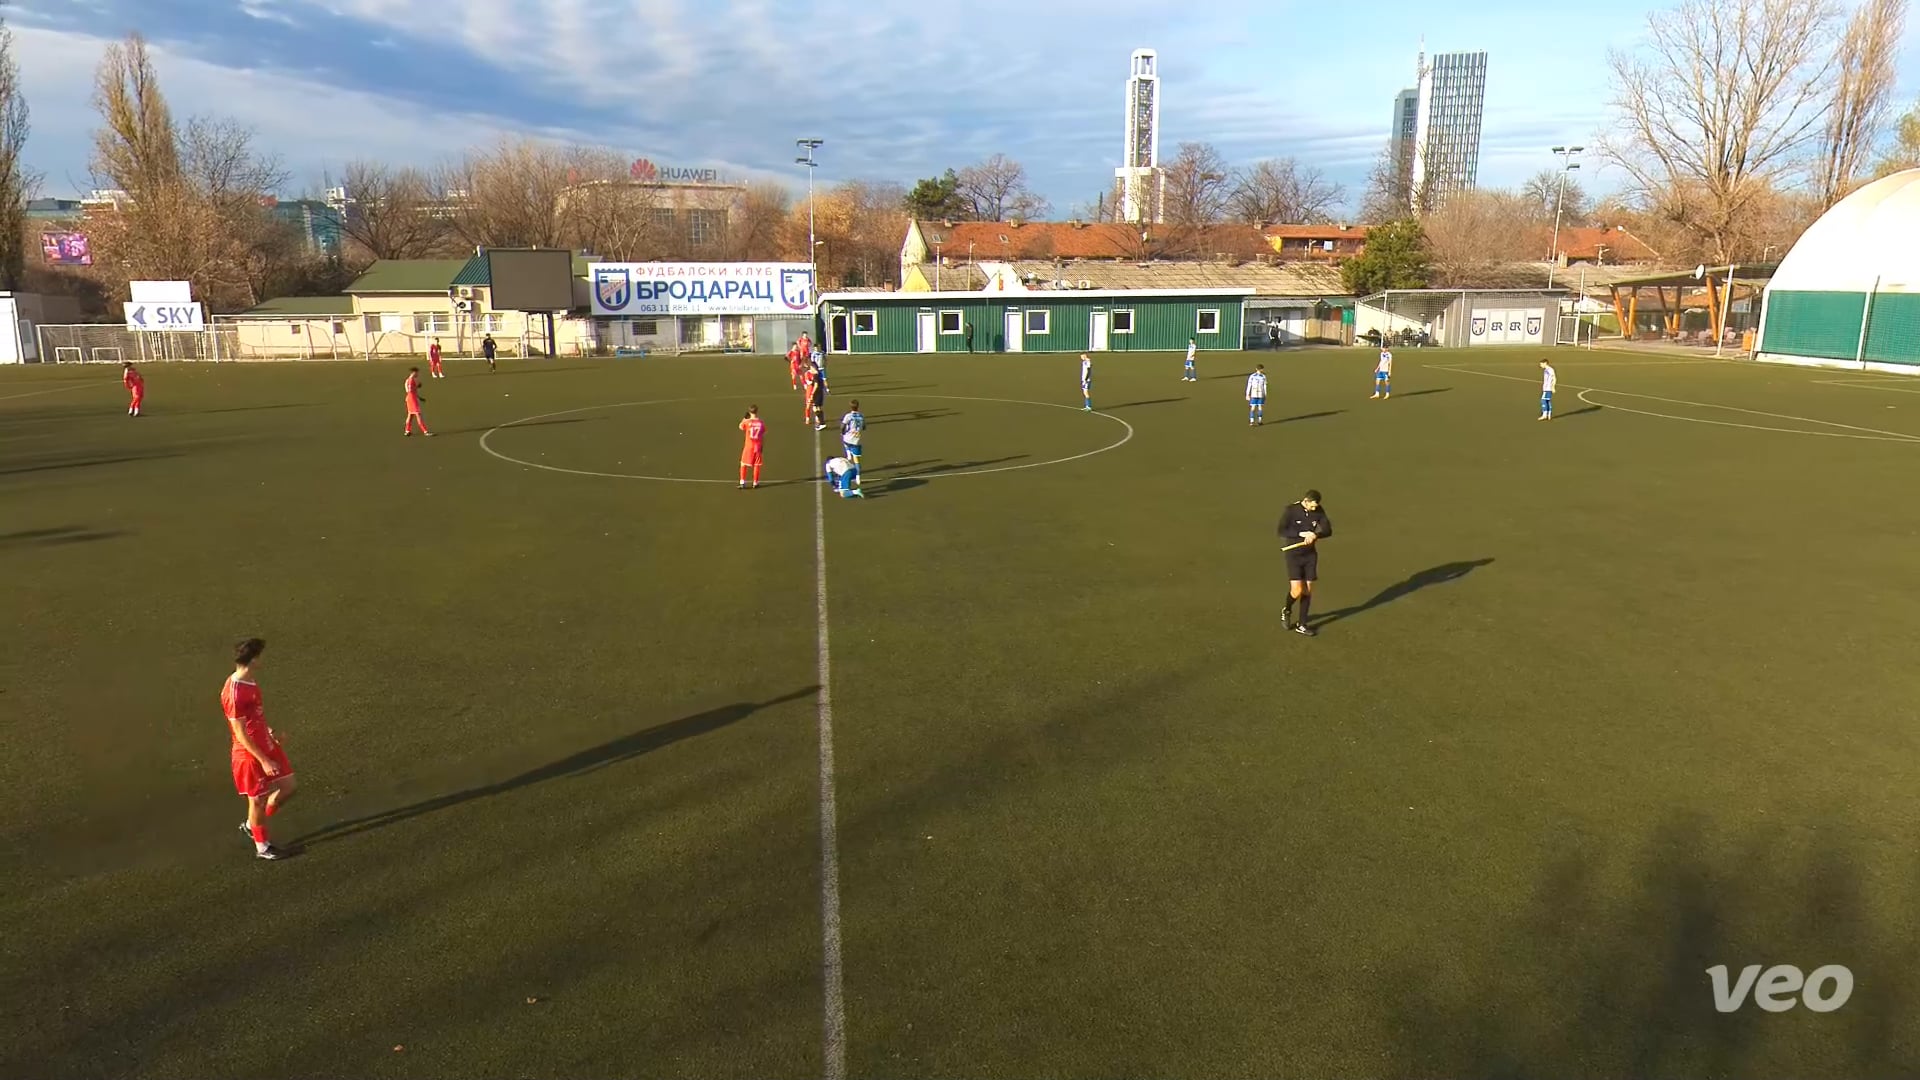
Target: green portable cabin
[1066,320]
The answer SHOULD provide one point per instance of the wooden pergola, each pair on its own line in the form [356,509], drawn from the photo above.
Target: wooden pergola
[1708,288]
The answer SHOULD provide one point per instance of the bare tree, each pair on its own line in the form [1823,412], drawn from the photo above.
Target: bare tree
[859,225]
[515,194]
[1283,191]
[195,197]
[1098,208]
[390,212]
[1481,228]
[753,229]
[1862,97]
[16,182]
[137,146]
[1198,185]
[997,190]
[1545,196]
[1727,103]
[1386,197]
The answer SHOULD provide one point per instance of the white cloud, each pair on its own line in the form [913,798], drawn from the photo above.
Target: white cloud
[311,125]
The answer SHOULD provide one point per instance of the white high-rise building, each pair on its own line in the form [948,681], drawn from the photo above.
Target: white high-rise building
[1441,155]
[1139,187]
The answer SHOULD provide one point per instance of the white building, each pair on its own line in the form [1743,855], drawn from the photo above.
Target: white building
[1140,188]
[1449,101]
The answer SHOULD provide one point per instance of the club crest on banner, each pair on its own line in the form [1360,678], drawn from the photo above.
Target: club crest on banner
[796,289]
[1479,328]
[613,286]
[1533,326]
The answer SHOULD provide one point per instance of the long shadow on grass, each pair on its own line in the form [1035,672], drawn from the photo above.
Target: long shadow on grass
[910,417]
[509,426]
[81,461]
[257,408]
[1423,393]
[1310,416]
[1604,971]
[1150,401]
[1578,412]
[54,537]
[1438,575]
[608,753]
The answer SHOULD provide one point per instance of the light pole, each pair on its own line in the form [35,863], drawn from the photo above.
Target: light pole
[813,263]
[936,266]
[1766,253]
[1567,165]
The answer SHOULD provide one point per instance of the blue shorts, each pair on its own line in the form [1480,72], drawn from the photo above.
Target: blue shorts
[1256,402]
[1546,400]
[852,449]
[1381,376]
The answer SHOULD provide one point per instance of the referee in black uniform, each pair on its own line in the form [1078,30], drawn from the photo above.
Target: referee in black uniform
[1304,524]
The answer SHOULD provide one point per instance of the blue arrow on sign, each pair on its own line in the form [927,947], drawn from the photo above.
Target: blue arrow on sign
[140,317]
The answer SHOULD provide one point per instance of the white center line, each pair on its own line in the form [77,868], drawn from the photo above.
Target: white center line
[833,1000]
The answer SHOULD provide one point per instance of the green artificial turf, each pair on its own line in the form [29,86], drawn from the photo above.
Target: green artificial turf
[1597,704]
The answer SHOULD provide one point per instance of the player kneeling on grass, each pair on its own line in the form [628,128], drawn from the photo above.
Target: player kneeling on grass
[1302,526]
[261,772]
[844,475]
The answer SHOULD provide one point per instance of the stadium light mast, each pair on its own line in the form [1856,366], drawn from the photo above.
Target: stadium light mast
[813,246]
[1567,165]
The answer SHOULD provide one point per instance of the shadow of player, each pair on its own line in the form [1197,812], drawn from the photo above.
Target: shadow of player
[621,749]
[1438,575]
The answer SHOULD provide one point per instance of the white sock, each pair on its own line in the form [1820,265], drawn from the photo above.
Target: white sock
[259,845]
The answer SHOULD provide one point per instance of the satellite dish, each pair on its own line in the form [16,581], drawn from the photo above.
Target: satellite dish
[1700,271]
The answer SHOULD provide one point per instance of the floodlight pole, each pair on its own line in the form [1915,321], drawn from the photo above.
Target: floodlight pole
[1567,165]
[813,258]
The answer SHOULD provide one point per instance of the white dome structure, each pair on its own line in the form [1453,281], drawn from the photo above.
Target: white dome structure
[1848,293]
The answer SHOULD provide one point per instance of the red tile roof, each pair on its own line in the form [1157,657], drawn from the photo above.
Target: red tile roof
[995,240]
[1317,232]
[1583,243]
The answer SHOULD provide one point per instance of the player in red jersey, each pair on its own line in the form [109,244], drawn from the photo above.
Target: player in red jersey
[413,403]
[433,361]
[136,386]
[807,376]
[261,772]
[750,453]
[793,365]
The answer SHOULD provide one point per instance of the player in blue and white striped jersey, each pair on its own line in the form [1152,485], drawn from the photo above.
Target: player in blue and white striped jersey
[1086,383]
[1257,395]
[853,428]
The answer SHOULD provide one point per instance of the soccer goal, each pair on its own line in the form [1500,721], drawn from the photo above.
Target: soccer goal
[69,354]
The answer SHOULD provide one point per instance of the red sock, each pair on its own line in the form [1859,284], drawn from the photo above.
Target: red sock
[271,808]
[743,474]
[756,474]
[260,834]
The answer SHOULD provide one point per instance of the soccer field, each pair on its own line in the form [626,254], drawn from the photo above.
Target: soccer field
[1596,704]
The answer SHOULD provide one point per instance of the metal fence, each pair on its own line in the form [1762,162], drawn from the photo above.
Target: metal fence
[106,343]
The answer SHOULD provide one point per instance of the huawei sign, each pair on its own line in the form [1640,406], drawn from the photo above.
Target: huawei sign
[646,172]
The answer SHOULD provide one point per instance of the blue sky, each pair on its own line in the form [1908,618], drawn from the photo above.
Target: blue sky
[899,89]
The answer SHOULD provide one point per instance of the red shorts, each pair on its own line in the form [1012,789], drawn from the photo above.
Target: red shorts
[413,407]
[750,456]
[249,778]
